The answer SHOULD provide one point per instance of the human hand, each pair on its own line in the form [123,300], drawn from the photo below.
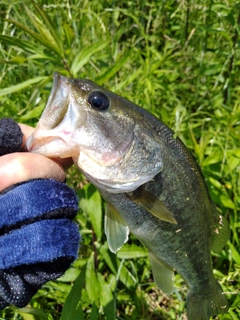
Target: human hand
[38,240]
[21,166]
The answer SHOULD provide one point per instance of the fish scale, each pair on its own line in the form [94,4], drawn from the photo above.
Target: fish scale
[151,182]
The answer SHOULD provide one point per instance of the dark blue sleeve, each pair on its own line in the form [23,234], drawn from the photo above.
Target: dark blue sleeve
[38,239]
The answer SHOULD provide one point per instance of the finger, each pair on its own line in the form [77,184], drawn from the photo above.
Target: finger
[19,167]
[66,163]
[26,130]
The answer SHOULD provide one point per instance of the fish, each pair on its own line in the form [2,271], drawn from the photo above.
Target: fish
[151,182]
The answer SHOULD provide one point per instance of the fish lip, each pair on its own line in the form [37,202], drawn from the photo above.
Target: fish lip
[60,79]
[36,144]
[41,149]
[58,102]
[50,127]
[56,80]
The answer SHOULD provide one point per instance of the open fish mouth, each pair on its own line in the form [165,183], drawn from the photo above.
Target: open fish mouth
[42,145]
[57,104]
[51,136]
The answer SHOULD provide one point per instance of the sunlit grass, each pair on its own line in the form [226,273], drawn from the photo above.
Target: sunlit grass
[180,61]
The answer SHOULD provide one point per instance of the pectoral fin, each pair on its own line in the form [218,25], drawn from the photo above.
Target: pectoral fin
[153,205]
[162,274]
[220,234]
[115,229]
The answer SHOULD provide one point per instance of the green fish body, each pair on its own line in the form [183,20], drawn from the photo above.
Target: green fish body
[151,183]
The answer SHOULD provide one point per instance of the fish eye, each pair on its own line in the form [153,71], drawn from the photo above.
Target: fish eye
[99,100]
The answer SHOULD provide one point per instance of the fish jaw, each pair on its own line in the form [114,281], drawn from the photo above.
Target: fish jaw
[54,134]
[110,178]
[52,143]
[57,104]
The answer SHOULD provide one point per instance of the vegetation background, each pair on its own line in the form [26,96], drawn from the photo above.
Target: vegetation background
[180,60]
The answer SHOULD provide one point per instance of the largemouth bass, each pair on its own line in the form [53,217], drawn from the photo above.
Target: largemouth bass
[151,183]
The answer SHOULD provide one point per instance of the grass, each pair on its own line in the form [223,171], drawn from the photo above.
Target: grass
[177,59]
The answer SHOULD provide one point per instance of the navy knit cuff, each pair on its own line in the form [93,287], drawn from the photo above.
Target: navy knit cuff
[11,136]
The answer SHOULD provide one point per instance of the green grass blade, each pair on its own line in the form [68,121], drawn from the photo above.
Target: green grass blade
[45,32]
[34,113]
[90,202]
[21,86]
[110,72]
[22,44]
[234,252]
[132,252]
[49,25]
[94,312]
[32,313]
[69,35]
[117,268]
[85,55]
[41,39]
[92,285]
[106,298]
[14,60]
[72,304]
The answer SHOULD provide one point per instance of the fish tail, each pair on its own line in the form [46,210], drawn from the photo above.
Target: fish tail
[205,305]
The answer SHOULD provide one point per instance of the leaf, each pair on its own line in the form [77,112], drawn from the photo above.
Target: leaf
[21,86]
[236,301]
[232,164]
[132,252]
[118,268]
[214,157]
[94,312]
[14,60]
[92,285]
[68,34]
[106,298]
[49,23]
[43,40]
[212,69]
[26,46]
[32,313]
[44,31]
[72,304]
[85,55]
[34,113]
[230,18]
[227,202]
[90,202]
[215,183]
[234,252]
[70,275]
[110,72]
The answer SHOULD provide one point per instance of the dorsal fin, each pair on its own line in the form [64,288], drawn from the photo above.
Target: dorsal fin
[162,274]
[221,234]
[115,229]
[153,205]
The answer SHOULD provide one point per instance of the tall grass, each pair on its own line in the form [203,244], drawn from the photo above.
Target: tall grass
[177,59]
